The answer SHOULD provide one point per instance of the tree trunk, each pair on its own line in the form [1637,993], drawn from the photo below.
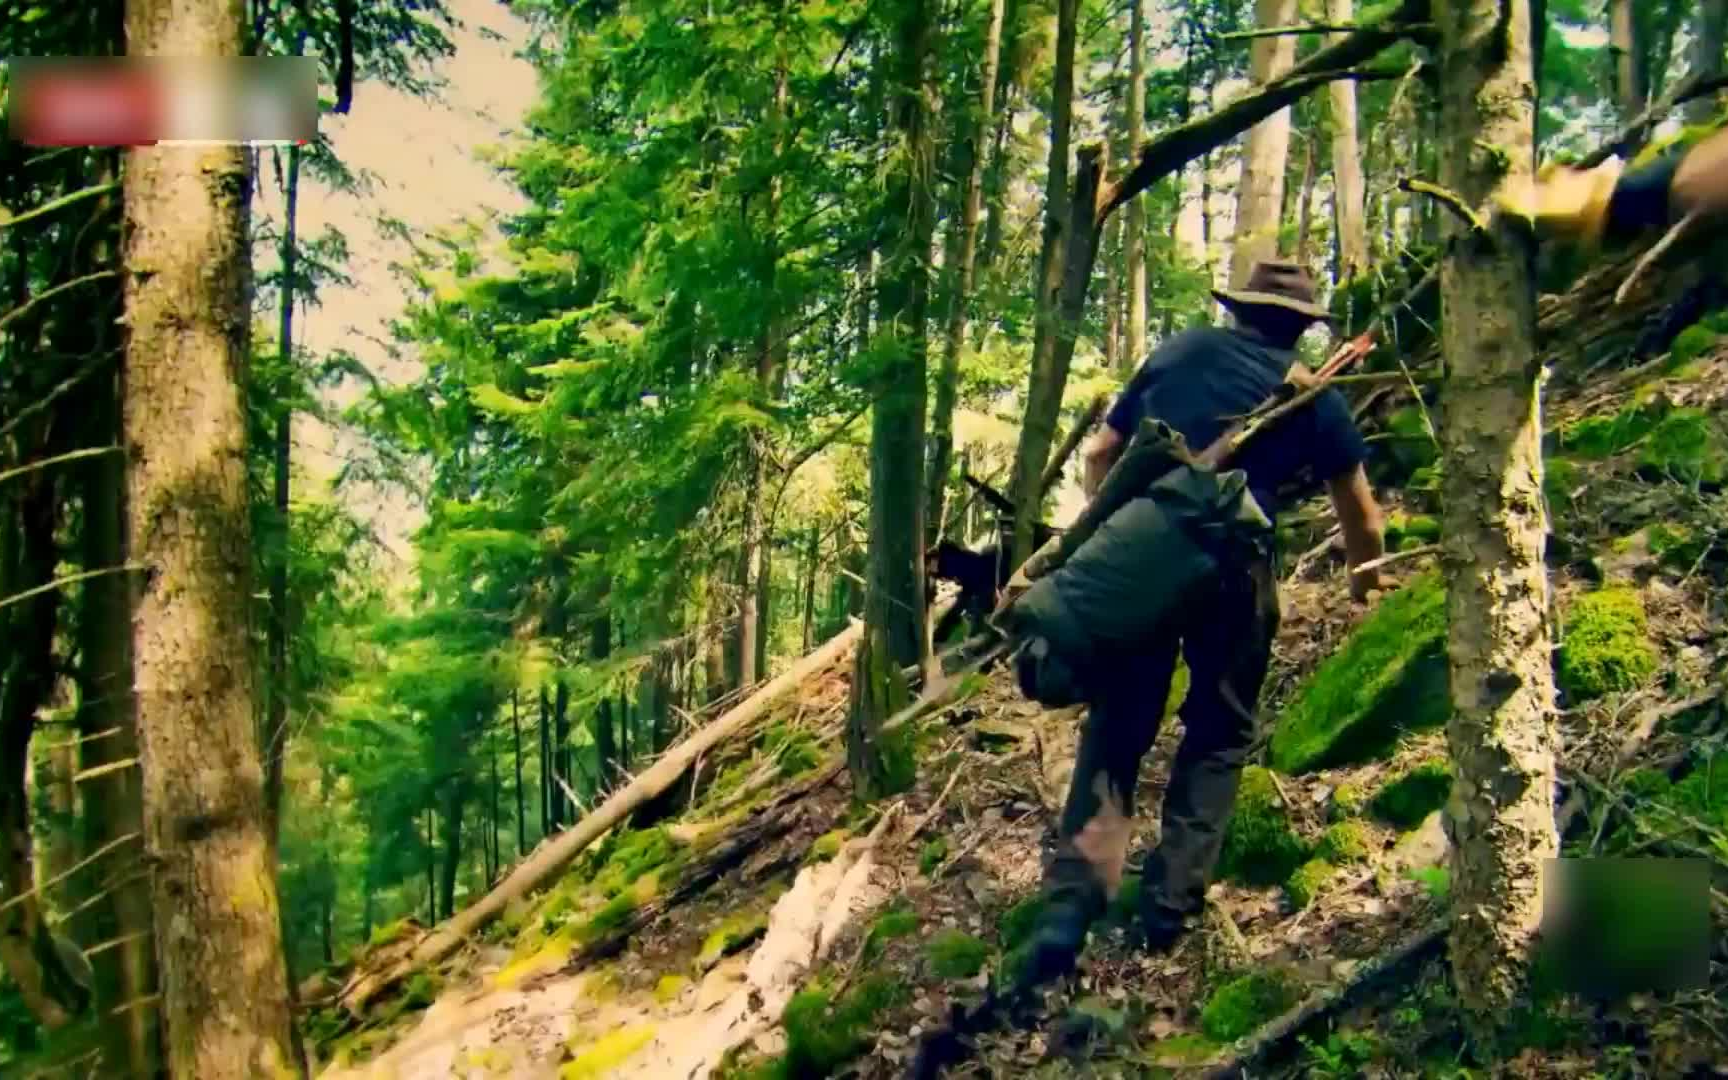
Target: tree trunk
[224,1001]
[431,869]
[1349,187]
[1710,27]
[894,601]
[1305,202]
[1048,377]
[605,743]
[1111,345]
[1265,152]
[455,787]
[548,805]
[276,692]
[1134,230]
[809,637]
[521,796]
[1501,735]
[1625,44]
[964,273]
[496,852]
[562,776]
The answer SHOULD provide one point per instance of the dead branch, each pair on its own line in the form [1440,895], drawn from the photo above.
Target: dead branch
[1448,198]
[553,857]
[1053,471]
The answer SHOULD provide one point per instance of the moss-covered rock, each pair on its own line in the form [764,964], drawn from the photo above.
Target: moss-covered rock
[1389,678]
[1260,848]
[827,845]
[1344,843]
[954,954]
[1307,880]
[1606,646]
[932,855]
[1686,445]
[1405,531]
[1406,801]
[1240,1006]
[896,922]
[607,1053]
[1598,437]
[631,855]
[822,1035]
[1349,799]
[1691,344]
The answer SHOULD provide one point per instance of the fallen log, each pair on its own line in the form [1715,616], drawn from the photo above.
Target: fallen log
[551,859]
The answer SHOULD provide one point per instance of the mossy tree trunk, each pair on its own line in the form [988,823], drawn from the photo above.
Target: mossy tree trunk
[1349,188]
[224,1001]
[1501,735]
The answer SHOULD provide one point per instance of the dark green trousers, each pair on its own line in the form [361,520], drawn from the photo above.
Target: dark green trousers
[1226,642]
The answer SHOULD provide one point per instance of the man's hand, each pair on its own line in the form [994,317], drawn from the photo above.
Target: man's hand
[1362,523]
[1367,585]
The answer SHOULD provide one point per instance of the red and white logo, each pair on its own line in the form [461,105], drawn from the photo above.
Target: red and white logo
[87,105]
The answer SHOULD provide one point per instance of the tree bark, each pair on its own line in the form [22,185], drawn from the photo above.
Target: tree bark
[224,1000]
[521,796]
[1501,735]
[1049,375]
[276,692]
[1134,234]
[1265,153]
[964,274]
[497,852]
[605,742]
[894,601]
[1625,46]
[562,811]
[1349,187]
[455,794]
[1305,202]
[815,564]
[546,804]
[1710,27]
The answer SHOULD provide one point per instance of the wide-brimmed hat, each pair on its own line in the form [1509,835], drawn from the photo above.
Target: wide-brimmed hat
[1275,283]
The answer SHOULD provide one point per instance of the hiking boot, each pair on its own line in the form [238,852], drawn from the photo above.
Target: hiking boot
[1160,927]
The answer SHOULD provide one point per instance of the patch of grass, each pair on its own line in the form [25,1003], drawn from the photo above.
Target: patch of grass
[932,855]
[1260,848]
[607,1053]
[954,954]
[1241,1005]
[1344,843]
[896,922]
[1307,880]
[1389,678]
[1405,802]
[1018,922]
[1607,645]
[1686,445]
[822,1034]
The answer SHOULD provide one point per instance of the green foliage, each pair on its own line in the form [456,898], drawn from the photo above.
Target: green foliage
[1675,544]
[1691,344]
[1240,1006]
[1260,848]
[1411,446]
[1349,799]
[1406,801]
[1606,646]
[1389,678]
[1406,531]
[1344,1054]
[1344,843]
[1598,437]
[795,749]
[955,954]
[1307,881]
[1560,478]
[932,855]
[1437,880]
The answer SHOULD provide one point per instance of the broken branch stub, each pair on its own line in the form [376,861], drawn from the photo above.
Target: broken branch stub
[551,858]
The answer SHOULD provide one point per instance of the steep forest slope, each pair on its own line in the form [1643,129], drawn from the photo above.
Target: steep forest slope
[773,926]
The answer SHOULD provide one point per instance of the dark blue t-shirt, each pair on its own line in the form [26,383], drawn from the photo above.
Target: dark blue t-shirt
[1200,380]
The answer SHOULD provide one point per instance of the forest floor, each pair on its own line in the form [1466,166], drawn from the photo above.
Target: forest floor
[841,933]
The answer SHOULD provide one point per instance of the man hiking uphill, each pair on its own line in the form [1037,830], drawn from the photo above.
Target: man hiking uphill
[1197,382]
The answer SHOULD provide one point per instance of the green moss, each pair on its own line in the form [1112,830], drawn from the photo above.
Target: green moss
[1675,545]
[1607,645]
[896,922]
[617,911]
[1189,1048]
[1597,437]
[796,750]
[1408,800]
[632,855]
[1349,799]
[1307,880]
[1406,531]
[1389,678]
[827,845]
[1560,478]
[1412,445]
[606,1054]
[1018,922]
[387,933]
[1242,1005]
[932,855]
[1691,344]
[733,934]
[1344,843]
[669,987]
[1687,445]
[822,1035]
[1260,848]
[954,954]
[422,988]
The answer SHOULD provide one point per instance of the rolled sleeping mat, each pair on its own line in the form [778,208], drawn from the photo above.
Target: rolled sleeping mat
[1128,582]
